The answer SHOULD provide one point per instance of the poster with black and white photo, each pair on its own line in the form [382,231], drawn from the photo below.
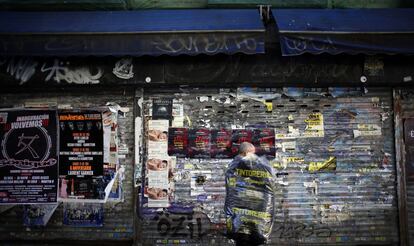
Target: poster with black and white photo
[81,143]
[28,157]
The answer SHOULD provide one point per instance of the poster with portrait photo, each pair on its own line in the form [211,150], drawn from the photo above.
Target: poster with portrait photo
[157,197]
[178,142]
[83,214]
[264,142]
[157,137]
[221,145]
[81,144]
[28,156]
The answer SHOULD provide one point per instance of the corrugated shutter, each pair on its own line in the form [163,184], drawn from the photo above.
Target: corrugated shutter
[356,204]
[118,219]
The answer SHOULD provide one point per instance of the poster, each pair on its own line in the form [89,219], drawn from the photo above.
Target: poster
[82,188]
[314,126]
[178,142]
[199,143]
[38,215]
[81,144]
[159,185]
[221,143]
[239,136]
[157,137]
[264,142]
[83,214]
[162,108]
[28,157]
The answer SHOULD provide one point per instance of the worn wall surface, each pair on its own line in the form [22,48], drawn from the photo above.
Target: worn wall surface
[404,113]
[353,204]
[118,219]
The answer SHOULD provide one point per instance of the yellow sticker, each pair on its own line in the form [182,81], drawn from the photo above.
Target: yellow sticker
[329,164]
[269,106]
[188,166]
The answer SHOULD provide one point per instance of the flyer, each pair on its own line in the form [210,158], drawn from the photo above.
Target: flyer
[264,142]
[81,143]
[38,215]
[28,157]
[159,185]
[239,136]
[199,143]
[162,108]
[158,137]
[178,142]
[83,214]
[157,172]
[221,143]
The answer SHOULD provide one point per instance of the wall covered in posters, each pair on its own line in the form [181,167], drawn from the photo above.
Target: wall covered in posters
[91,185]
[332,150]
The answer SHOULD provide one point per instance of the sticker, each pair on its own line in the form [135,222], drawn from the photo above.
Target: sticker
[367,130]
[328,165]
[198,179]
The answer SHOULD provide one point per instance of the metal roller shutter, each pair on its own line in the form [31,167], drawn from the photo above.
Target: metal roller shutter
[354,204]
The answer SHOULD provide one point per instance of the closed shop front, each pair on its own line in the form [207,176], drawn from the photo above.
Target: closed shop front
[333,155]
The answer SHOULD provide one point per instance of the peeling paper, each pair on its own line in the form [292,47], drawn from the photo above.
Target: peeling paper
[367,130]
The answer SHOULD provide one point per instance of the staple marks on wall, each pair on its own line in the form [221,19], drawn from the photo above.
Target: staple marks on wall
[335,171]
[118,222]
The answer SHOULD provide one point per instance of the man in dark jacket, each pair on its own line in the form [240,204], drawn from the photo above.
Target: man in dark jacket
[249,197]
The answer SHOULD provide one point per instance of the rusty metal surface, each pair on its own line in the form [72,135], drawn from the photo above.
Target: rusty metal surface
[118,219]
[354,204]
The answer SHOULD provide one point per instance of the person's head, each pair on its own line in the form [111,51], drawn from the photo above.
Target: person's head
[246,148]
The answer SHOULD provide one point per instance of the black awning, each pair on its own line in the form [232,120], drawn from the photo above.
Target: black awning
[135,33]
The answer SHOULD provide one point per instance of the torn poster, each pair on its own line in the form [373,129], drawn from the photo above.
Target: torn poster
[328,165]
[198,179]
[38,215]
[28,157]
[83,214]
[314,126]
[367,130]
